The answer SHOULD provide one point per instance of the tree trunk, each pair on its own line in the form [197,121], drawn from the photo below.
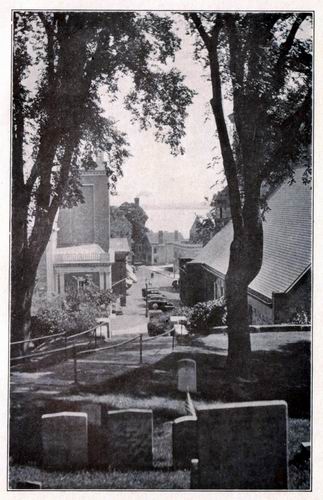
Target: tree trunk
[244,265]
[21,301]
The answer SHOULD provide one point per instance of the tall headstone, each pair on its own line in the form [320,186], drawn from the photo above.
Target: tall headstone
[65,440]
[186,370]
[129,435]
[243,446]
[184,442]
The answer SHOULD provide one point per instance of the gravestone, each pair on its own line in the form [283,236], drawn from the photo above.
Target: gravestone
[129,435]
[95,441]
[184,442]
[243,446]
[186,370]
[65,440]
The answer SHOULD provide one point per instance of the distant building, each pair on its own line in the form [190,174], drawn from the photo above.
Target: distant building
[159,247]
[79,247]
[185,250]
[283,285]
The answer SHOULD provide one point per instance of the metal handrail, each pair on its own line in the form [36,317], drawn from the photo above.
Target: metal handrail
[37,338]
[157,336]
[109,347]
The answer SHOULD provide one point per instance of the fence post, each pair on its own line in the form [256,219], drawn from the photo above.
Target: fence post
[94,333]
[75,364]
[140,349]
[146,300]
[173,340]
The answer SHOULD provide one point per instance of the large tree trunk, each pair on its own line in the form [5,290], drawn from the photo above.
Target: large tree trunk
[22,293]
[245,262]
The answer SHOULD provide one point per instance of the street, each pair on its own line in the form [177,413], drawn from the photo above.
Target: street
[133,319]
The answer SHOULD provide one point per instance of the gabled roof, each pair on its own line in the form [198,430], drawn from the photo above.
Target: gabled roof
[119,244]
[287,240]
[168,237]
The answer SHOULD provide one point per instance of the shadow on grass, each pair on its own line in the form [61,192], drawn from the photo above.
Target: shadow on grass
[283,374]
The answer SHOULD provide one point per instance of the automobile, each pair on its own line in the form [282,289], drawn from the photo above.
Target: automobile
[161,304]
[149,290]
[155,296]
[158,324]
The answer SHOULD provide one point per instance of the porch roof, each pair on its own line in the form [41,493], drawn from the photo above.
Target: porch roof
[83,254]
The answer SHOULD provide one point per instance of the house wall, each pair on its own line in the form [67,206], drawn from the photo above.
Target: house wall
[259,313]
[299,298]
[87,222]
[197,284]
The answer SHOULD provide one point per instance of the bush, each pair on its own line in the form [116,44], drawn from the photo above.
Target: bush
[205,315]
[73,314]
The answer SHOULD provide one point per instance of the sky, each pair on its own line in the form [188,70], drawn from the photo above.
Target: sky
[161,180]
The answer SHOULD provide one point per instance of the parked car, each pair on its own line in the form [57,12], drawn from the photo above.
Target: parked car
[149,290]
[155,296]
[158,323]
[162,304]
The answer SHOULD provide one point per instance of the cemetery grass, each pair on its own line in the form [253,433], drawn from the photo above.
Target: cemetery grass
[277,373]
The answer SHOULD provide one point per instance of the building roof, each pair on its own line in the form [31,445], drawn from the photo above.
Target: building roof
[287,240]
[90,253]
[168,237]
[119,244]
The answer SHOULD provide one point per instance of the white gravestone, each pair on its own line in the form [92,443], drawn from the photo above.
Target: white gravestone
[65,440]
[243,446]
[186,370]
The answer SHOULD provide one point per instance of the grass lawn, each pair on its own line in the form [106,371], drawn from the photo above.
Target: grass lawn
[279,372]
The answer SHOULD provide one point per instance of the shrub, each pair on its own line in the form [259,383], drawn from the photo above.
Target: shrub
[300,317]
[73,314]
[205,315]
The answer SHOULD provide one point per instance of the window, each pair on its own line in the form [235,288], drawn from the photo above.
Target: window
[155,249]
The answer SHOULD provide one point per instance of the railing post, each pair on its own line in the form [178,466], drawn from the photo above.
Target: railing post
[173,340]
[140,349]
[75,364]
[146,300]
[94,333]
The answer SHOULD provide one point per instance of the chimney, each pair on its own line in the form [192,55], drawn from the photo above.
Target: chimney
[160,237]
[176,235]
[137,202]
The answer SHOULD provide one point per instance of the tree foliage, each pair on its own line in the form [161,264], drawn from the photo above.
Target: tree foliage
[137,217]
[120,227]
[63,63]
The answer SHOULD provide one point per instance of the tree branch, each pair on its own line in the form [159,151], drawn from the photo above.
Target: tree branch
[200,28]
[285,49]
[226,150]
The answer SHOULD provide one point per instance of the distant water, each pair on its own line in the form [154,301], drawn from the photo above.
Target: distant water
[169,219]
